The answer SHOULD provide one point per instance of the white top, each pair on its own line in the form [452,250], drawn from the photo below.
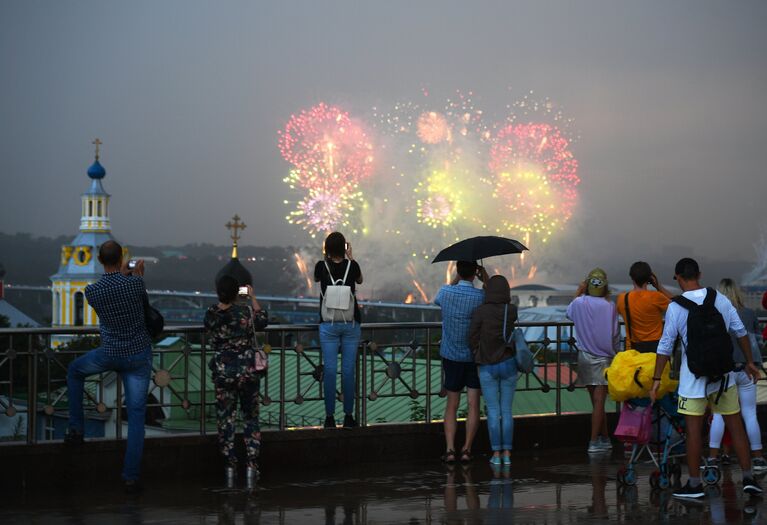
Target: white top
[676,325]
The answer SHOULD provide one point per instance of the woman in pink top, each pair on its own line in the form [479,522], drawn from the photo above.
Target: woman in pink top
[596,330]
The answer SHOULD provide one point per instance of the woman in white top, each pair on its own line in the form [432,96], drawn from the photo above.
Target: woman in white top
[746,386]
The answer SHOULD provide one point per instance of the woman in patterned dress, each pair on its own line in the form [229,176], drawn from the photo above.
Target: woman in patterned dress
[230,325]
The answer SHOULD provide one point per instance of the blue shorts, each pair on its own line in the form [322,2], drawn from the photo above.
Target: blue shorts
[459,375]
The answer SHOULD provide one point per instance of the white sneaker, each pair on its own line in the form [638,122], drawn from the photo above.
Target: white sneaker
[758,465]
[595,447]
[689,492]
[604,442]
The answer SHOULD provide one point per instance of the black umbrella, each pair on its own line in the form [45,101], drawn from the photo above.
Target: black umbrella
[478,248]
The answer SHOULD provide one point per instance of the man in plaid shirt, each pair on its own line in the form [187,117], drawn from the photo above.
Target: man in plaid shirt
[458,301]
[126,348]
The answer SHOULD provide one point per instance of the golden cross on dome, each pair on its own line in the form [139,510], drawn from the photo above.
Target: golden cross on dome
[97,143]
[235,226]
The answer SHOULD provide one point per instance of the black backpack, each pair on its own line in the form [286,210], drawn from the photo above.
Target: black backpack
[709,346]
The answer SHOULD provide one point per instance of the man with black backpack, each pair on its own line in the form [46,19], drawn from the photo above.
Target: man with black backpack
[703,319]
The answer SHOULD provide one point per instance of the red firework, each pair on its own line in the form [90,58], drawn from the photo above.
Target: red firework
[541,148]
[327,148]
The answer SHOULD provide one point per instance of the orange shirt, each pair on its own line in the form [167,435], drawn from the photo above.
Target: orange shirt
[647,309]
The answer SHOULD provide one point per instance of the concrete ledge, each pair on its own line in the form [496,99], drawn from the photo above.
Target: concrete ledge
[196,457]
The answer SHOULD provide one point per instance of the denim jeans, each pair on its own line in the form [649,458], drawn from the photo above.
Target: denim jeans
[334,337]
[499,381]
[135,372]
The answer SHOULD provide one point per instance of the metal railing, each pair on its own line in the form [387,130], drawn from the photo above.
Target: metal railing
[397,362]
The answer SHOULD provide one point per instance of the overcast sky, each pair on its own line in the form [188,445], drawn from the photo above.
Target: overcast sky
[669,98]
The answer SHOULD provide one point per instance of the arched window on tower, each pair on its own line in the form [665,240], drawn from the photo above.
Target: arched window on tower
[90,208]
[98,208]
[79,309]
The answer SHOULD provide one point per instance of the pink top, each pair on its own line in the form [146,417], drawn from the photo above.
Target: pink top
[596,325]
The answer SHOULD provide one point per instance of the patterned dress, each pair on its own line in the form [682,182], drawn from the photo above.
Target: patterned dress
[235,377]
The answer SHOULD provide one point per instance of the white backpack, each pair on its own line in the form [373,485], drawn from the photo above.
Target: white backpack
[338,299]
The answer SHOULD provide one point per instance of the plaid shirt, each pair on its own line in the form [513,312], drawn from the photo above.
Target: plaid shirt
[119,302]
[458,302]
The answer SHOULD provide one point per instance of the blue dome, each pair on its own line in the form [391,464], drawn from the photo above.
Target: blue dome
[96,171]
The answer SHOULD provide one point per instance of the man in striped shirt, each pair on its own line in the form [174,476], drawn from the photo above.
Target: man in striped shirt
[458,301]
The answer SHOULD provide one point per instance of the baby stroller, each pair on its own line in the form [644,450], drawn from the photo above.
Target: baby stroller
[638,418]
[627,380]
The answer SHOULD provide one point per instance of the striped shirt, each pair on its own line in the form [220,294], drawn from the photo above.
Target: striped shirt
[458,302]
[119,302]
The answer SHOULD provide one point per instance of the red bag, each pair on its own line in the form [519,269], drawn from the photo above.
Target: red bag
[635,424]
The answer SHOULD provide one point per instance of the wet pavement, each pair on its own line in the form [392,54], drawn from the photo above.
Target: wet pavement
[559,487]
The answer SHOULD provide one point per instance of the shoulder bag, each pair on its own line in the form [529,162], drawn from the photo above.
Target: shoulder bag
[523,355]
[153,319]
[260,357]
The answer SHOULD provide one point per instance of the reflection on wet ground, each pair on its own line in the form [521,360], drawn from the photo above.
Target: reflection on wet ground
[559,487]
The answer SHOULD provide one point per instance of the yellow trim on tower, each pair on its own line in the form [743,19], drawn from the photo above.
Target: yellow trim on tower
[87,254]
[66,254]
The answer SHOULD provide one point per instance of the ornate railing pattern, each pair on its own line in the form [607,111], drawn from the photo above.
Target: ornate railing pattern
[396,361]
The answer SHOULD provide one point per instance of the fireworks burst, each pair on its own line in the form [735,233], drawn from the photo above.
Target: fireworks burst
[323,211]
[302,267]
[331,154]
[529,202]
[433,128]
[440,201]
[443,171]
[536,177]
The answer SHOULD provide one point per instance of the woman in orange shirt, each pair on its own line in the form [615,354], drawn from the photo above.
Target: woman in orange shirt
[642,309]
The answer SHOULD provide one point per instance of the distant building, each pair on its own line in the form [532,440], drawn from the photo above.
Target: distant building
[15,316]
[79,265]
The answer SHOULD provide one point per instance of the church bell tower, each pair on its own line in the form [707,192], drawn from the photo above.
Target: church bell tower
[79,265]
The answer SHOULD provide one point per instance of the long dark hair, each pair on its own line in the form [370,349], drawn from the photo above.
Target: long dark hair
[335,245]
[226,289]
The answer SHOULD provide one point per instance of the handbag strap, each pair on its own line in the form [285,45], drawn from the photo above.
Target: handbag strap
[505,318]
[253,328]
[628,315]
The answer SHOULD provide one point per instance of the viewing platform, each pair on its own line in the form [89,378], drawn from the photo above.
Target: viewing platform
[385,471]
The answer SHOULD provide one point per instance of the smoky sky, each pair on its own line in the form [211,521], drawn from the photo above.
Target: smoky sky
[669,101]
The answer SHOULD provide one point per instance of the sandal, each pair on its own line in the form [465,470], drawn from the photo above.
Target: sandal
[449,457]
[466,456]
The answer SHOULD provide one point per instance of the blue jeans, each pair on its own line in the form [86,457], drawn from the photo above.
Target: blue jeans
[334,337]
[135,372]
[499,381]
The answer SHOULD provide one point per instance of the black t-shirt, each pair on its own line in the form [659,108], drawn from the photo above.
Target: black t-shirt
[338,270]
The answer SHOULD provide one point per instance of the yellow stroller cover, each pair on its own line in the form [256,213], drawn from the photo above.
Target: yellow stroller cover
[630,376]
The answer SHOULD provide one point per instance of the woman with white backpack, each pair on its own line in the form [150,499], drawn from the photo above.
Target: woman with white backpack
[338,274]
